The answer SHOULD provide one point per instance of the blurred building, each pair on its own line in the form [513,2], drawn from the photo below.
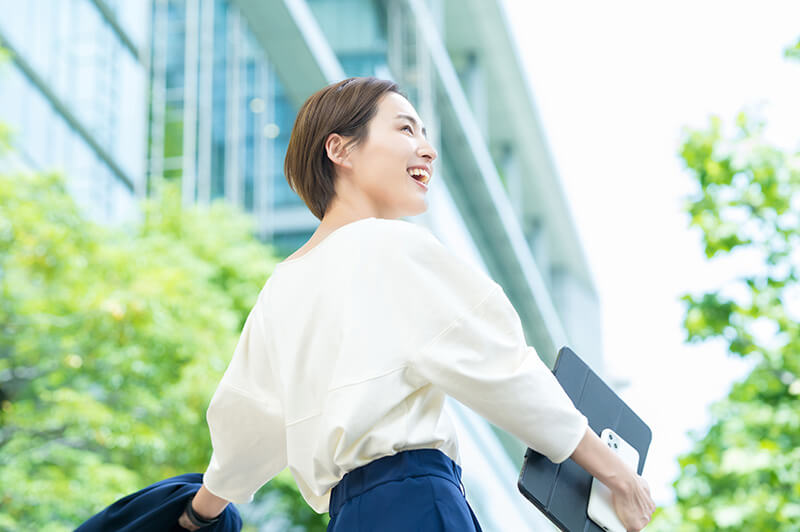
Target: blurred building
[75,95]
[226,79]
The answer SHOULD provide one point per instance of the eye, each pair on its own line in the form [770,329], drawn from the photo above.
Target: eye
[408,128]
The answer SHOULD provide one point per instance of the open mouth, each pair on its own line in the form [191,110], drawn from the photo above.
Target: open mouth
[420,175]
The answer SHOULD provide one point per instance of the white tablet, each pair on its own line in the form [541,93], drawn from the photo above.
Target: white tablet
[600,509]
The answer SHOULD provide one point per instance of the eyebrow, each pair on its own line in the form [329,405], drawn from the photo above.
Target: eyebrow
[413,121]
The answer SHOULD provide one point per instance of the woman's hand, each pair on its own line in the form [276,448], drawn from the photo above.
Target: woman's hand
[633,504]
[183,521]
[630,494]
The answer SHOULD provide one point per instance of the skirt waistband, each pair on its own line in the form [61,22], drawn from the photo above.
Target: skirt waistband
[409,463]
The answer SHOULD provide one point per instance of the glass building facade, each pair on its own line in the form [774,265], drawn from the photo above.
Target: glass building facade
[219,118]
[74,95]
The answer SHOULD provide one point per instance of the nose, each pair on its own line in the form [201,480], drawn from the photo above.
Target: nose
[427,150]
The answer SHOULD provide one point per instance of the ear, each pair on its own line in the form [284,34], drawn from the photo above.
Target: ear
[335,148]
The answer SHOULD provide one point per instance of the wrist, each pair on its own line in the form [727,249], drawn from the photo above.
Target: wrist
[206,504]
[603,464]
[198,520]
[201,512]
[618,476]
[621,482]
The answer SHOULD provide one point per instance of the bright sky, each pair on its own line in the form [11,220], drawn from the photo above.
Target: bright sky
[614,82]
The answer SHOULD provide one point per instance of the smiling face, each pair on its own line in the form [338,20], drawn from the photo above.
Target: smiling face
[375,177]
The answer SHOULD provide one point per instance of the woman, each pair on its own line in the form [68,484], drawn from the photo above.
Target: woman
[345,359]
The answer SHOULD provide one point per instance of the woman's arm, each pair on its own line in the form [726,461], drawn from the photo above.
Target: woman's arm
[630,493]
[206,504]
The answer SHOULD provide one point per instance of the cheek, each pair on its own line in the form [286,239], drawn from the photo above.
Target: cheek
[388,160]
[386,183]
[382,166]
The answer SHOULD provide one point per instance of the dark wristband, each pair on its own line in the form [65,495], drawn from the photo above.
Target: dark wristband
[195,518]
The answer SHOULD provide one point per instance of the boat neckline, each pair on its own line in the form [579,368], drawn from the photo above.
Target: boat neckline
[323,241]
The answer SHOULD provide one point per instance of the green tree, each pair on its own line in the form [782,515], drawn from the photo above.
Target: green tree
[744,474]
[113,340]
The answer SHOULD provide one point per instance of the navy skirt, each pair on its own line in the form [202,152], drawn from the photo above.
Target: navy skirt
[418,489]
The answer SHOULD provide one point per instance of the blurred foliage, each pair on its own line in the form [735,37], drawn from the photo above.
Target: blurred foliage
[5,130]
[113,341]
[5,138]
[793,52]
[744,474]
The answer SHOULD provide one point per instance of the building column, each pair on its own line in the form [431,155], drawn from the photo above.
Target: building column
[189,151]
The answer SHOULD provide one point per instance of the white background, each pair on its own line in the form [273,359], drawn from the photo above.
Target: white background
[614,82]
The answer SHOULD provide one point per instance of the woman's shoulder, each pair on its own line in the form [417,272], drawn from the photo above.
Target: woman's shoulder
[409,246]
[405,243]
[398,233]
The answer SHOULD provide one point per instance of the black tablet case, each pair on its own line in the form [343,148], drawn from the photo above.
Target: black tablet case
[561,491]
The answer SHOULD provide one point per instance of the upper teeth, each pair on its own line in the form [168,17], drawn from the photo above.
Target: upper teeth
[420,171]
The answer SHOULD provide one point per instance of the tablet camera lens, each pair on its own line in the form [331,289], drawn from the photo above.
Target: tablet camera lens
[615,446]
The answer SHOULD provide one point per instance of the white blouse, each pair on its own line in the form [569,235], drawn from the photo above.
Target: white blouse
[347,356]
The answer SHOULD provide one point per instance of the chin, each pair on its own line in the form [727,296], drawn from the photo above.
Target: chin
[420,210]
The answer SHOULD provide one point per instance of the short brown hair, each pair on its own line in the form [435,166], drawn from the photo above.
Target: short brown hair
[344,107]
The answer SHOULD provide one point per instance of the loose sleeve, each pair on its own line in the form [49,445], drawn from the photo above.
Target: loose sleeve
[245,419]
[476,351]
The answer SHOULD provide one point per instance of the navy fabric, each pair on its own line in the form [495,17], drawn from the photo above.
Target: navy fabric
[418,489]
[157,508]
